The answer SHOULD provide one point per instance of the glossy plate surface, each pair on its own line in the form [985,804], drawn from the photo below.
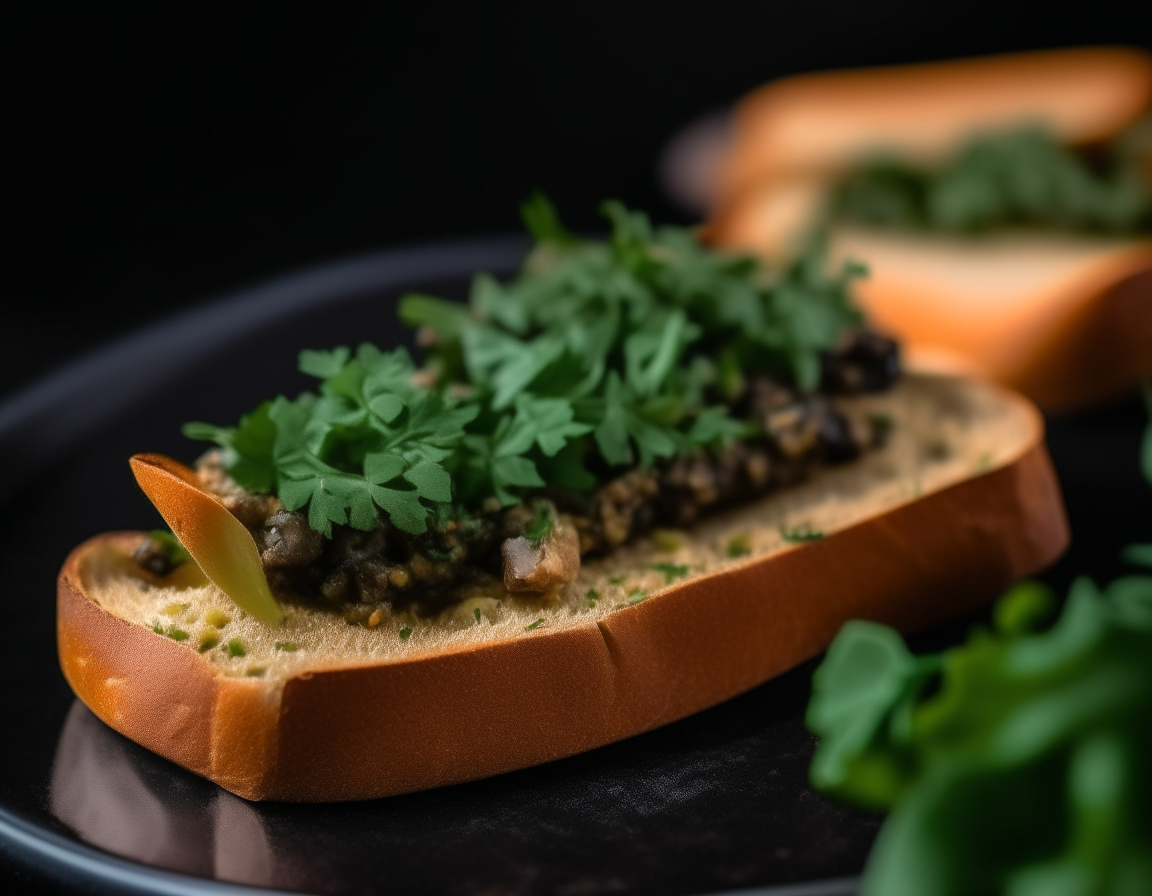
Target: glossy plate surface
[718,802]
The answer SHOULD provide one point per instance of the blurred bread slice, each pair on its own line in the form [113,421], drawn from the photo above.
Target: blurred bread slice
[1065,319]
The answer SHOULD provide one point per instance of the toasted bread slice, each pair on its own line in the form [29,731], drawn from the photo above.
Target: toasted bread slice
[961,502]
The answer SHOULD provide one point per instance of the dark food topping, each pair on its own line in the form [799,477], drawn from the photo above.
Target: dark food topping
[160,553]
[535,546]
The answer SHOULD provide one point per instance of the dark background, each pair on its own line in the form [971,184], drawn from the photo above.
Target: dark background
[159,159]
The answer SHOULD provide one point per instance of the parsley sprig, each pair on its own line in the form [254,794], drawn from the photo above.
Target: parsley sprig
[598,355]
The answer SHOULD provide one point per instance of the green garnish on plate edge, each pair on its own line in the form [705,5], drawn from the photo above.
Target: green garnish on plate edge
[1019,762]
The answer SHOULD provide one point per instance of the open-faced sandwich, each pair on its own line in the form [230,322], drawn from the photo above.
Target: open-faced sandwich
[1004,206]
[635,481]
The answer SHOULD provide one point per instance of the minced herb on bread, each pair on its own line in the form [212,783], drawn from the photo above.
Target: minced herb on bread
[610,386]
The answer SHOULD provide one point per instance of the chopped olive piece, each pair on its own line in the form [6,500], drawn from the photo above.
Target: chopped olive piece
[668,540]
[216,618]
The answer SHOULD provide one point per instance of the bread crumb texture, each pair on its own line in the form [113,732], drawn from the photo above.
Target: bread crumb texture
[943,431]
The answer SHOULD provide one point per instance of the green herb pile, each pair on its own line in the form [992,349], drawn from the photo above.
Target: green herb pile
[1027,771]
[599,355]
[1021,178]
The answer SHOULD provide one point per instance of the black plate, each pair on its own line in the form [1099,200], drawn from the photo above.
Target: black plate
[716,802]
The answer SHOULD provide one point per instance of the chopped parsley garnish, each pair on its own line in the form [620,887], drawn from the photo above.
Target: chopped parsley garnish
[598,355]
[636,595]
[476,613]
[405,633]
[534,625]
[671,571]
[617,580]
[739,546]
[288,646]
[1018,178]
[803,532]
[235,647]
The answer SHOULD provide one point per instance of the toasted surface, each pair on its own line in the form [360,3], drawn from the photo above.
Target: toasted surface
[819,123]
[962,501]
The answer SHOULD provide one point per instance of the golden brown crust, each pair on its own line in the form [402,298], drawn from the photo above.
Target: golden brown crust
[817,123]
[387,728]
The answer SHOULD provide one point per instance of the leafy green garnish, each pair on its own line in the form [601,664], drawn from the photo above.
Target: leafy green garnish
[803,532]
[534,625]
[671,571]
[598,355]
[1026,772]
[476,613]
[1021,177]
[287,646]
[405,633]
[235,647]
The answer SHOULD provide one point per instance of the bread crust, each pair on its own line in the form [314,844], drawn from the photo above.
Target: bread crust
[374,730]
[818,123]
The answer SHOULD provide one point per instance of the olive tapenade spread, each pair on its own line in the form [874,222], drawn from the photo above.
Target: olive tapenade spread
[609,389]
